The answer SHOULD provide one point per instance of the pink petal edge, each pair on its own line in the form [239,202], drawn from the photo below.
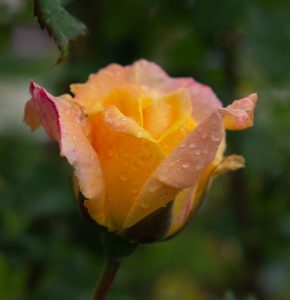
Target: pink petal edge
[59,118]
[240,114]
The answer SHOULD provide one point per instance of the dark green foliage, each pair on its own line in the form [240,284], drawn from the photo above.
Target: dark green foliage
[240,240]
[63,27]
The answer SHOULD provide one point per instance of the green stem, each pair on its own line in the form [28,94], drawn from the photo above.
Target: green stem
[115,249]
[106,279]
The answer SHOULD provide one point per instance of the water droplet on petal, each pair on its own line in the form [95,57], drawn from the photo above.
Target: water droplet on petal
[199,166]
[215,137]
[153,186]
[185,165]
[74,137]
[134,191]
[139,134]
[182,145]
[192,145]
[124,176]
[110,152]
[197,152]
[205,151]
[144,203]
[204,135]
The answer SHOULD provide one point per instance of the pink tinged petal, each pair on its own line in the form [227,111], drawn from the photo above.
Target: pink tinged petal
[184,166]
[63,121]
[149,74]
[189,200]
[240,114]
[204,101]
[181,169]
[31,116]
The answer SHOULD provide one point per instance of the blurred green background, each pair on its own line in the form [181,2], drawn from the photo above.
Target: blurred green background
[240,239]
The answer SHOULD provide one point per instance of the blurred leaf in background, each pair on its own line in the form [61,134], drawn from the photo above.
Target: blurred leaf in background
[240,240]
[62,26]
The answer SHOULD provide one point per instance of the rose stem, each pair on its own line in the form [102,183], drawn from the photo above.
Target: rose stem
[106,278]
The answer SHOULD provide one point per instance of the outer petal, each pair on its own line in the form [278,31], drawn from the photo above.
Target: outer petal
[99,85]
[240,114]
[31,116]
[128,155]
[188,201]
[63,121]
[181,169]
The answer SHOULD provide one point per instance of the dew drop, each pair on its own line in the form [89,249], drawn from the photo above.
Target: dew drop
[185,165]
[182,145]
[74,137]
[204,135]
[144,203]
[215,137]
[197,152]
[205,151]
[124,176]
[139,134]
[154,186]
[134,191]
[199,166]
[192,145]
[110,152]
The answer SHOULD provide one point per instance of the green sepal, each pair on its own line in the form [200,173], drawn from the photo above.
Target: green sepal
[115,247]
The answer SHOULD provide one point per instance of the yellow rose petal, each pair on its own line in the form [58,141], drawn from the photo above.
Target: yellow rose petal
[128,156]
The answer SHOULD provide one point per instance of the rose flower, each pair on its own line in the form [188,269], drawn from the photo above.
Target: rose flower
[144,146]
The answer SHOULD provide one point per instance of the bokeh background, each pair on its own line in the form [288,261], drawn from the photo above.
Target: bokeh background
[238,245]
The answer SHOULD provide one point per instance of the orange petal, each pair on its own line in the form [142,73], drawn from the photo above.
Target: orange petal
[181,169]
[240,114]
[63,121]
[99,85]
[128,99]
[128,155]
[31,116]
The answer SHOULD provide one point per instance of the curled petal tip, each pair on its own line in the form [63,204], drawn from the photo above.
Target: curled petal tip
[240,114]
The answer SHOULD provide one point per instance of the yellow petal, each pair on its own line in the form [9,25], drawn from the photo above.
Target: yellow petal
[128,100]
[128,155]
[99,85]
[163,113]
